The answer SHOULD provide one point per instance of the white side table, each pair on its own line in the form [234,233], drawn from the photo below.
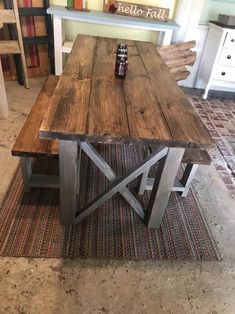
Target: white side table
[60,13]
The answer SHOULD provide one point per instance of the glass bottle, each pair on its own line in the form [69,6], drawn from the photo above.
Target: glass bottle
[121,66]
[121,61]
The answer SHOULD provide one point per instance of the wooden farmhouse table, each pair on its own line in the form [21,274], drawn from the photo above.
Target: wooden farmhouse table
[91,105]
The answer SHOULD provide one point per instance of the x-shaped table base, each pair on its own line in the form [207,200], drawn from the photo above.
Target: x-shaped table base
[70,161]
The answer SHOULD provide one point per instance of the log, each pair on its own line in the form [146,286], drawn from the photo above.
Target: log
[179,46]
[176,55]
[182,61]
[178,69]
[181,75]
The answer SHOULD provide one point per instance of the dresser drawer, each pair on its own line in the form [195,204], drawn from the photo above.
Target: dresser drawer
[224,73]
[230,41]
[227,57]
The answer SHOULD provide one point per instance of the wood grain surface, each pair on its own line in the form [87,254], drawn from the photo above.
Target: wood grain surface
[147,107]
[28,143]
[136,10]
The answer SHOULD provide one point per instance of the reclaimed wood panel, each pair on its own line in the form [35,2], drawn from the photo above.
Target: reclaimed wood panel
[40,30]
[9,46]
[145,117]
[184,124]
[7,16]
[68,109]
[107,119]
[136,10]
[28,142]
[148,107]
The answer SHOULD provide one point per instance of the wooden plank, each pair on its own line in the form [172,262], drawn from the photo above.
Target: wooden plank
[13,36]
[80,62]
[136,10]
[177,69]
[184,124]
[40,30]
[98,17]
[9,46]
[178,47]
[20,41]
[145,117]
[163,185]
[187,179]
[111,176]
[7,16]
[4,111]
[173,55]
[68,108]
[181,75]
[107,119]
[117,185]
[28,142]
[196,156]
[180,61]
[147,107]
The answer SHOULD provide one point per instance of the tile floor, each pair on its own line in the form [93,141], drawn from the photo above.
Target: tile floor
[218,114]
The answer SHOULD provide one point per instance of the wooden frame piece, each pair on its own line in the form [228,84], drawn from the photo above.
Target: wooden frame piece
[36,180]
[3,99]
[166,173]
[182,186]
[69,180]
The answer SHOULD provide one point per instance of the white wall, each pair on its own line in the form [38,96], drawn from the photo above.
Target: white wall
[193,16]
[215,7]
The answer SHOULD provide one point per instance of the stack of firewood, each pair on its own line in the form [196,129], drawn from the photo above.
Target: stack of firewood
[178,57]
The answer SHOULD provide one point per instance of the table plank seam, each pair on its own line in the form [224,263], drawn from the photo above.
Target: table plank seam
[167,124]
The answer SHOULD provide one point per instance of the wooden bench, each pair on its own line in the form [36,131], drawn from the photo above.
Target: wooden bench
[192,158]
[28,144]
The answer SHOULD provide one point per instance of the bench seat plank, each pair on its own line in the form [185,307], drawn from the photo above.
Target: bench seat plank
[196,156]
[28,143]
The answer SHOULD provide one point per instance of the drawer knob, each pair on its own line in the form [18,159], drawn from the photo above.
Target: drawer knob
[232,40]
[223,73]
[229,57]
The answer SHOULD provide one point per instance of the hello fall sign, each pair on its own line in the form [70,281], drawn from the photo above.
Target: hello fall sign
[136,10]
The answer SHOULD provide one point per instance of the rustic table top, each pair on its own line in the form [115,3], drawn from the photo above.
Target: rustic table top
[147,107]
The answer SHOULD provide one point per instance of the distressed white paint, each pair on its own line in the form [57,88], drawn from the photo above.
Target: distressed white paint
[3,97]
[58,41]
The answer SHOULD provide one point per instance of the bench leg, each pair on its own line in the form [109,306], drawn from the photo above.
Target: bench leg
[26,168]
[166,173]
[187,178]
[143,186]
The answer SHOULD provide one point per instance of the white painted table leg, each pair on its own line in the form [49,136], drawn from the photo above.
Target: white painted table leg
[204,96]
[164,38]
[58,42]
[166,173]
[69,181]
[3,97]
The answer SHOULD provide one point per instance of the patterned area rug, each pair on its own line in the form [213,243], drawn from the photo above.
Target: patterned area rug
[29,223]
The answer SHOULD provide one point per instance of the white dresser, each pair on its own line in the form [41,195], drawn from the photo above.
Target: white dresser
[217,67]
